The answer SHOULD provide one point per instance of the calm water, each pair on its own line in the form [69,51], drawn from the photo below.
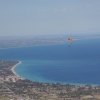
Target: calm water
[77,64]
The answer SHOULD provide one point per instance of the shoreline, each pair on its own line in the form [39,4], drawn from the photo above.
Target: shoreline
[12,69]
[76,84]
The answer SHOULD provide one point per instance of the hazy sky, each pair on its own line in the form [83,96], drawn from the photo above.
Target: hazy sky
[38,17]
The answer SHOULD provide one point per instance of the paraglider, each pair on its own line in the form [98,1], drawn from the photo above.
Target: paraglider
[70,40]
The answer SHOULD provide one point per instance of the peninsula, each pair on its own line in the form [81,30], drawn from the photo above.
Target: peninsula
[24,41]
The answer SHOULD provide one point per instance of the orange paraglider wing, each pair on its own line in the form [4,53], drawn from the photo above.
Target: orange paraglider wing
[70,39]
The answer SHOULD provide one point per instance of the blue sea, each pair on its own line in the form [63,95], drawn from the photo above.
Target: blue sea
[76,63]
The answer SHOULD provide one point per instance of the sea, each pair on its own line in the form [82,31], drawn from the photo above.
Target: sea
[77,63]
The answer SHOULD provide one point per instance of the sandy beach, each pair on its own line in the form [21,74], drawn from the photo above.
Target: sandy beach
[12,69]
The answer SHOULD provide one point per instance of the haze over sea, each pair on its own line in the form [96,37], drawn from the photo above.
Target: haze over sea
[77,64]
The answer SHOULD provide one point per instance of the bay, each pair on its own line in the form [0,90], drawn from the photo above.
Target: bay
[77,64]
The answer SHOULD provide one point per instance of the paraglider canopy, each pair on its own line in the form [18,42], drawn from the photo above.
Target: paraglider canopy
[70,39]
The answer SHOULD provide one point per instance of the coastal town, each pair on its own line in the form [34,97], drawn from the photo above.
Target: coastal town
[13,87]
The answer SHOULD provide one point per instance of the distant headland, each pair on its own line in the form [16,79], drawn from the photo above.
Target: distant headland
[19,41]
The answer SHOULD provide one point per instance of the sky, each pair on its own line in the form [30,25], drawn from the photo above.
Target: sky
[49,17]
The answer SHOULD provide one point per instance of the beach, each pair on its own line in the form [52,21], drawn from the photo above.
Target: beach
[12,69]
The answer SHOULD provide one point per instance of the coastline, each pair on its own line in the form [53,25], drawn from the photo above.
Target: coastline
[76,84]
[49,43]
[12,69]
